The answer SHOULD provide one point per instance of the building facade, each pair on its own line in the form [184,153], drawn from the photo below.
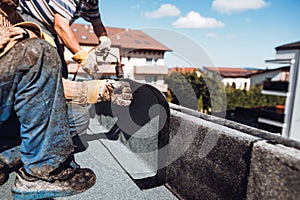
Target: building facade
[288,86]
[234,77]
[141,56]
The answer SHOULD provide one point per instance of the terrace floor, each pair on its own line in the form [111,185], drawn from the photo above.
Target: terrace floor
[115,166]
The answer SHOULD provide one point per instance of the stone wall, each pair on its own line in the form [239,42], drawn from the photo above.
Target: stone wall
[274,172]
[211,158]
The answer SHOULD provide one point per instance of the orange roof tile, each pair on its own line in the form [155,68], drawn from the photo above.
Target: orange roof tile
[231,72]
[136,39]
[121,37]
[184,69]
[86,36]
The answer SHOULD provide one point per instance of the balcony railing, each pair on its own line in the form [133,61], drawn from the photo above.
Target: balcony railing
[281,86]
[272,113]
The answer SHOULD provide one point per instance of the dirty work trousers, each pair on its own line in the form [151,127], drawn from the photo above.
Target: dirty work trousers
[31,94]
[60,49]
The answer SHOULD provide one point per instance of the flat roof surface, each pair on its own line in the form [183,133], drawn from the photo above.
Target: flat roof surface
[112,181]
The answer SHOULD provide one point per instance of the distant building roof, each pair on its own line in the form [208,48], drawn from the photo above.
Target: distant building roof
[261,71]
[295,45]
[230,72]
[121,37]
[183,69]
[85,35]
[136,39]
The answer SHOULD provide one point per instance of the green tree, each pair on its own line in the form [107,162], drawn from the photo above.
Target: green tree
[252,98]
[208,94]
[181,91]
[199,92]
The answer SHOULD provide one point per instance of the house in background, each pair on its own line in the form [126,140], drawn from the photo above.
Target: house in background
[142,56]
[242,78]
[186,70]
[286,84]
[234,77]
[263,77]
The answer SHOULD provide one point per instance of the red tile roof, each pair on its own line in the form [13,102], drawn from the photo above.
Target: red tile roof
[231,72]
[183,69]
[86,36]
[121,37]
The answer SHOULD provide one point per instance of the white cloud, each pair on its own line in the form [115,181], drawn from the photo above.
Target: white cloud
[195,20]
[212,35]
[231,36]
[165,10]
[231,6]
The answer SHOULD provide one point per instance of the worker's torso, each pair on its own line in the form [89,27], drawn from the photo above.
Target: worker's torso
[44,10]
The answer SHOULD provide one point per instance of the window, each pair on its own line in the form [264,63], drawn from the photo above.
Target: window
[149,60]
[150,79]
[233,85]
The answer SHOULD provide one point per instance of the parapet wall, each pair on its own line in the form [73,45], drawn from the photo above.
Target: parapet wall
[212,158]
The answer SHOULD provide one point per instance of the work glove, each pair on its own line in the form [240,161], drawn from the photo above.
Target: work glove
[95,91]
[118,92]
[104,47]
[86,60]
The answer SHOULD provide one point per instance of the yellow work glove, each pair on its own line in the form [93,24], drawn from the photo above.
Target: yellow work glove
[118,92]
[87,60]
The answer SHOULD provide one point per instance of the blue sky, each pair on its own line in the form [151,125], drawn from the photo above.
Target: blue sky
[234,33]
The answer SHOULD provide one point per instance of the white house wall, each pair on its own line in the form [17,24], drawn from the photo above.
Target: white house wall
[281,76]
[292,110]
[260,78]
[129,68]
[159,83]
[239,82]
[142,61]
[130,63]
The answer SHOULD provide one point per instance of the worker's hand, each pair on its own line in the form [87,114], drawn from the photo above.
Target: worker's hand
[87,61]
[104,47]
[118,92]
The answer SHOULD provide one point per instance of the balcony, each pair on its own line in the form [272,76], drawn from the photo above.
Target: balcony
[272,113]
[279,88]
[151,70]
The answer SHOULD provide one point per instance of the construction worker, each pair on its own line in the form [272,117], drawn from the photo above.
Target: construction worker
[56,18]
[32,92]
[32,98]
